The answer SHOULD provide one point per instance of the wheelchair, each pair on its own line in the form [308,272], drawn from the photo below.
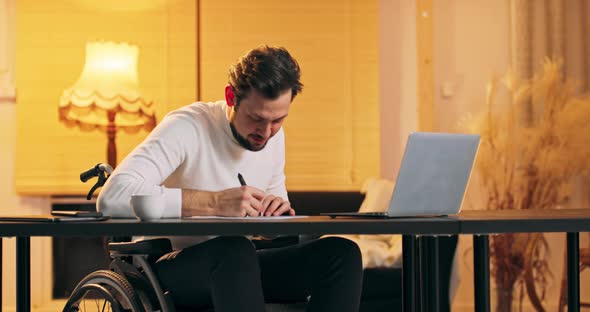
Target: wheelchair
[130,284]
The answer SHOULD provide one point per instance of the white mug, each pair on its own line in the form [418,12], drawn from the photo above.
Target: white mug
[148,207]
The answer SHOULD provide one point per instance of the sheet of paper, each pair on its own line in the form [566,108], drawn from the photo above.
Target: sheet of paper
[247,218]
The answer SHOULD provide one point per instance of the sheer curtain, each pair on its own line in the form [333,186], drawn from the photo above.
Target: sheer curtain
[551,28]
[557,29]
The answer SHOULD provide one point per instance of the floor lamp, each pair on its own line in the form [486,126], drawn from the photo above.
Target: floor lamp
[107,96]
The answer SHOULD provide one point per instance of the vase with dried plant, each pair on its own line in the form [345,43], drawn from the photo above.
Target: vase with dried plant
[530,151]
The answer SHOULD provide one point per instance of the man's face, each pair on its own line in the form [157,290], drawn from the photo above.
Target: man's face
[257,119]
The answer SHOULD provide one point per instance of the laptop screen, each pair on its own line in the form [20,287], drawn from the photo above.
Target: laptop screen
[434,174]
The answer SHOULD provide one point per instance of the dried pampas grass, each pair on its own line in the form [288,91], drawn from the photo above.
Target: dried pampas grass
[530,151]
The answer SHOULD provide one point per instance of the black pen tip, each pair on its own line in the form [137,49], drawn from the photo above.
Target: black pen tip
[241,179]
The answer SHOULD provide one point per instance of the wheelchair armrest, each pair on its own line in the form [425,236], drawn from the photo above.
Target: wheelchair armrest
[151,247]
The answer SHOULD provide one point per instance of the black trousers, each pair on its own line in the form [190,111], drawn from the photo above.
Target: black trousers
[229,274]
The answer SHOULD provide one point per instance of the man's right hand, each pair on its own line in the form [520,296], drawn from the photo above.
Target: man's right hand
[235,202]
[240,201]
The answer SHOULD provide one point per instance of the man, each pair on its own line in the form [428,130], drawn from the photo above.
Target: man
[193,158]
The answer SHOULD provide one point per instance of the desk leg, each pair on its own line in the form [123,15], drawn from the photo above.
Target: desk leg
[1,274]
[573,272]
[409,273]
[481,272]
[23,274]
[430,273]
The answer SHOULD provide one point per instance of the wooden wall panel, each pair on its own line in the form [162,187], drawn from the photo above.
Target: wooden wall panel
[425,57]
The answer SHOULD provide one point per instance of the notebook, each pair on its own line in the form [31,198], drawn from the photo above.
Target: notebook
[432,178]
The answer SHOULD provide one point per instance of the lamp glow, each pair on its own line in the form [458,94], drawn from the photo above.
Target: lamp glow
[107,96]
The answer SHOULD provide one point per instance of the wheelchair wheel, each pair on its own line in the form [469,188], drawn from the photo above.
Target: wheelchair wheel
[103,291]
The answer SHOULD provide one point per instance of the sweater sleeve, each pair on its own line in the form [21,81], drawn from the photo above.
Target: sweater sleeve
[277,185]
[145,169]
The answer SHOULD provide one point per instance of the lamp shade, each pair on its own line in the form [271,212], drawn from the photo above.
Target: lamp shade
[108,88]
[107,95]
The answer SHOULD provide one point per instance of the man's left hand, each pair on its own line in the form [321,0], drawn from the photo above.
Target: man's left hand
[276,206]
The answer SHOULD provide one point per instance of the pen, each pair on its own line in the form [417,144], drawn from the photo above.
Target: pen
[242,182]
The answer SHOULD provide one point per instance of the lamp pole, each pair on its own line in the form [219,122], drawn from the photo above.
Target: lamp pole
[111,134]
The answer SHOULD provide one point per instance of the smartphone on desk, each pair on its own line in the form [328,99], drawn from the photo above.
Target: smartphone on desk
[76,213]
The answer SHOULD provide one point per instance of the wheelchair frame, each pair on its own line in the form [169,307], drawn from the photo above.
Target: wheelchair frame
[130,278]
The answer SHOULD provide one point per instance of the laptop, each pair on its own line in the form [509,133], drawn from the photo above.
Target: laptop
[432,178]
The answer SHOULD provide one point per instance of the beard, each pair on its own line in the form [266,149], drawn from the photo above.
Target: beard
[243,141]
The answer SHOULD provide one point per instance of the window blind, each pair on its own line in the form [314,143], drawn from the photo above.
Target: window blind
[332,132]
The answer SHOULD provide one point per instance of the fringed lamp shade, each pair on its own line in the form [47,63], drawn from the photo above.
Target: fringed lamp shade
[107,96]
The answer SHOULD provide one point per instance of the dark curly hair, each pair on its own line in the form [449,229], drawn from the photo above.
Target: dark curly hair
[268,70]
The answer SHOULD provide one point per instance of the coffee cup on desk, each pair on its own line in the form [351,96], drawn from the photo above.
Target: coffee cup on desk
[148,207]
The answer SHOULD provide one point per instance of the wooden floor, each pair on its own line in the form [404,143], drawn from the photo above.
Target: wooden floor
[53,306]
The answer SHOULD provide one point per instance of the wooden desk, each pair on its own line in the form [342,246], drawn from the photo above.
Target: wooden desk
[477,223]
[483,222]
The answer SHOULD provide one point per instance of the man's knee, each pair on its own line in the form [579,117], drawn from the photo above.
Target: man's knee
[338,260]
[342,245]
[343,249]
[232,247]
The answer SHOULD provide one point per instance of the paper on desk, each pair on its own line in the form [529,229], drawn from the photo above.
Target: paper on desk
[268,218]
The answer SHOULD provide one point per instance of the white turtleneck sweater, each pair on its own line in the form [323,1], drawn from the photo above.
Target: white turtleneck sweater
[192,148]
